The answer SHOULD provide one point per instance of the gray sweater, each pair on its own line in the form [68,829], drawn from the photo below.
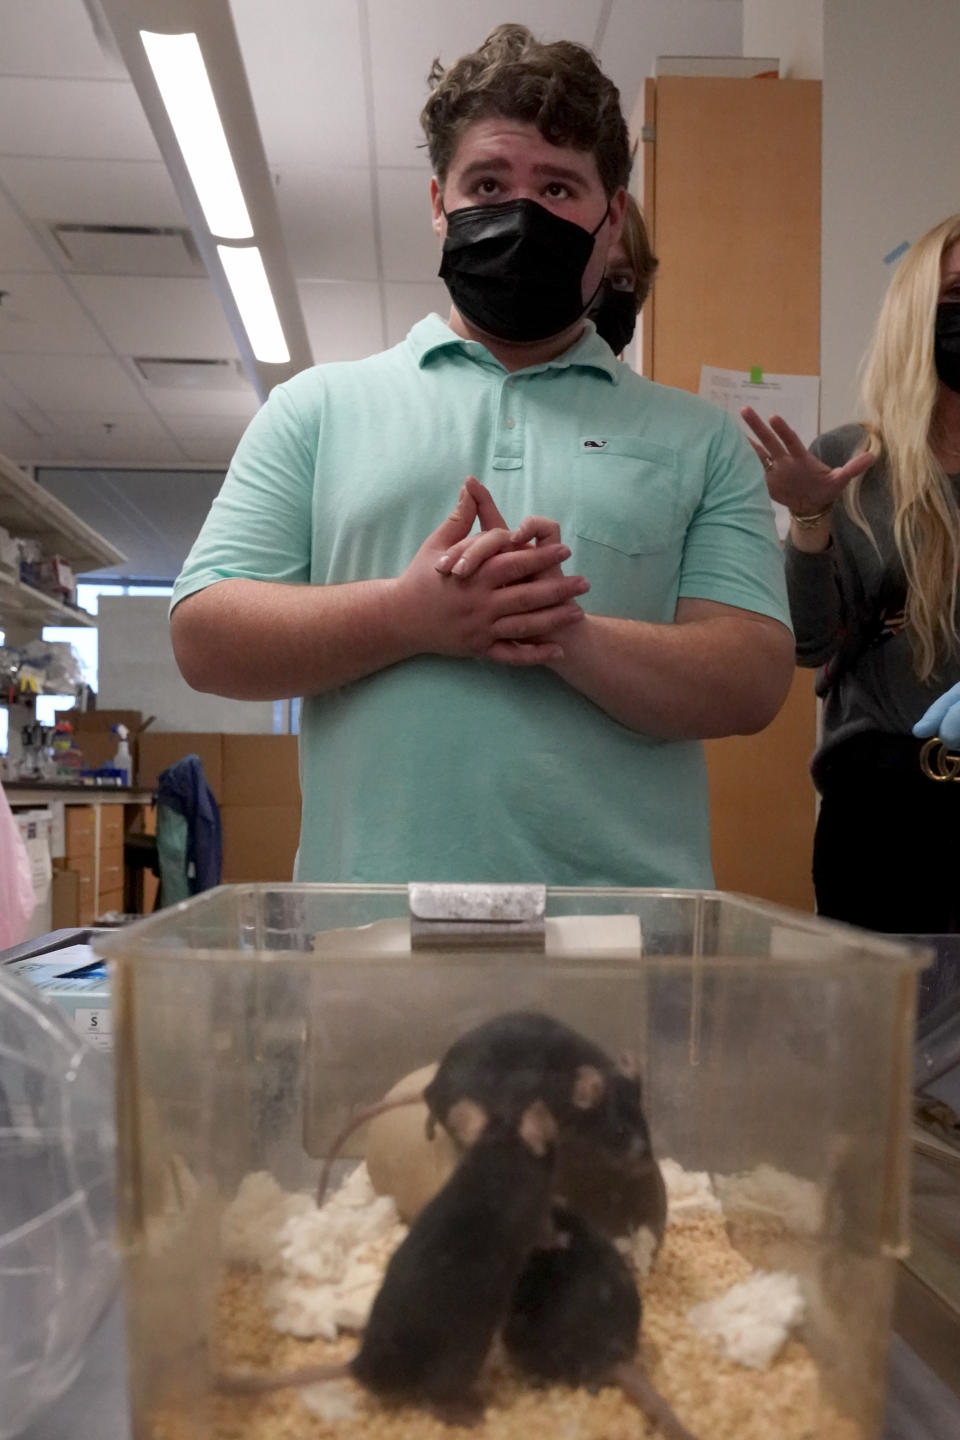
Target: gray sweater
[846,604]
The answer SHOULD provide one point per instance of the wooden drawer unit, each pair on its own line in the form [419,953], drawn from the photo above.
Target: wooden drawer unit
[111,874]
[111,900]
[111,827]
[86,900]
[80,832]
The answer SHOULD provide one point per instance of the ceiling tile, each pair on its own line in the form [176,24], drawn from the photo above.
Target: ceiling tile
[24,448]
[207,439]
[82,422]
[15,436]
[172,401]
[41,315]
[50,38]
[58,382]
[181,319]
[23,408]
[327,219]
[19,249]
[402,53]
[640,30]
[86,119]
[134,438]
[93,192]
[343,319]
[406,304]
[411,251]
[309,50]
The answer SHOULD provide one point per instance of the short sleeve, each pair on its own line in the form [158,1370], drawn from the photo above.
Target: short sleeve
[260,525]
[731,553]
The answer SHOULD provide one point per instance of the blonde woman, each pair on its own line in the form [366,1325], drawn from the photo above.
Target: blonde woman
[873,558]
[631,266]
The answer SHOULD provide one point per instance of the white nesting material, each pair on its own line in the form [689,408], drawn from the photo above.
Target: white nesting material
[751,1322]
[687,1190]
[253,1221]
[323,1265]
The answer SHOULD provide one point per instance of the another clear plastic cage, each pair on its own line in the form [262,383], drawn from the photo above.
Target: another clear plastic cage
[251,1022]
[57,1259]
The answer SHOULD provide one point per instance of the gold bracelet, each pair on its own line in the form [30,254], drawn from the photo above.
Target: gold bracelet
[811,521]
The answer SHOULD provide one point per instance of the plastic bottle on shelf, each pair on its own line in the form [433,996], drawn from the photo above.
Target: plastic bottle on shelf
[122,760]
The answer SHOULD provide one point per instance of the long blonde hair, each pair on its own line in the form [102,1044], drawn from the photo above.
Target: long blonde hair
[899,391]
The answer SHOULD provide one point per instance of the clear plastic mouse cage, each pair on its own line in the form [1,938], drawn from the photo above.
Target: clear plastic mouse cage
[775,1052]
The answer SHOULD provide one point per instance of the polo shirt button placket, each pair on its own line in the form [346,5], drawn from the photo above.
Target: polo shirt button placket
[509,447]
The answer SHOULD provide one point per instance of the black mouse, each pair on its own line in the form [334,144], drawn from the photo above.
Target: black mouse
[448,1286]
[505,1064]
[575,1319]
[576,1308]
[524,1055]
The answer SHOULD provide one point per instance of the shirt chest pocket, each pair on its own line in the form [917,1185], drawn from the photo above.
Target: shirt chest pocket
[627,493]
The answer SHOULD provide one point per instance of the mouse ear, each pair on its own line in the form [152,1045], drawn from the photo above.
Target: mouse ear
[589,1087]
[466,1122]
[627,1065]
[538,1128]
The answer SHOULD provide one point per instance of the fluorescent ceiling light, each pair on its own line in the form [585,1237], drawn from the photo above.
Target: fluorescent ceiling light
[243,266]
[181,76]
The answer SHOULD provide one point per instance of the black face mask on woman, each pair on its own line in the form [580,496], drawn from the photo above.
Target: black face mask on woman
[515,270]
[946,344]
[615,315]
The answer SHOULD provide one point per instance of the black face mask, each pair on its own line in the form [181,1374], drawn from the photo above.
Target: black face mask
[615,316]
[515,270]
[946,344]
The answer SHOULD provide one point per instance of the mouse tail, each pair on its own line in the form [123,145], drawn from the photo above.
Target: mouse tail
[260,1382]
[638,1388]
[370,1113]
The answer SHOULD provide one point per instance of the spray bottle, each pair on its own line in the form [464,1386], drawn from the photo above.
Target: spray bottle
[122,761]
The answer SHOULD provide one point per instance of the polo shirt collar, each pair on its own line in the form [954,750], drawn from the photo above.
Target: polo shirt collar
[433,336]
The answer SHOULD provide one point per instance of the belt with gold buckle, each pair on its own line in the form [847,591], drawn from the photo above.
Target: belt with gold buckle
[939,763]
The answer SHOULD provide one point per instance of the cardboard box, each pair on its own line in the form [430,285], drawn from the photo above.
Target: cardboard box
[87,720]
[259,842]
[98,747]
[94,737]
[159,749]
[261,770]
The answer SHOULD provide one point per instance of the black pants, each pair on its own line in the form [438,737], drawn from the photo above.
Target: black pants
[886,854]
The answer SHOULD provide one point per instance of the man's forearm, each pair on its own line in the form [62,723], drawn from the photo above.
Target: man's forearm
[258,640]
[699,678]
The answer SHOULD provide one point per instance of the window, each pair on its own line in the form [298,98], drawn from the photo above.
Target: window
[86,642]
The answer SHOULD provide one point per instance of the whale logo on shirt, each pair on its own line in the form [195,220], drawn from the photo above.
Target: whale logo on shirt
[594,444]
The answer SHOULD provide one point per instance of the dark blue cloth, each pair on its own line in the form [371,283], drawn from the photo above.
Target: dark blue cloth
[183,787]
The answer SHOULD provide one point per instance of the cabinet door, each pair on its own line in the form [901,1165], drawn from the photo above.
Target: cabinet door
[732,195]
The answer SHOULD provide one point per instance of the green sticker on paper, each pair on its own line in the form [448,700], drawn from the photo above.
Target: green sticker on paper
[756,375]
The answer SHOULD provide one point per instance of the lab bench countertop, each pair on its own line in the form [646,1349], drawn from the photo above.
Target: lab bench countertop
[42,792]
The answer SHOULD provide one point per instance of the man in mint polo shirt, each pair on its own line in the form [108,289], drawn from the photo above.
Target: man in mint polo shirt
[525,700]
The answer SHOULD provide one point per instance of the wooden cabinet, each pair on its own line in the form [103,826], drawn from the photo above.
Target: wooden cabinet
[731,191]
[93,835]
[80,830]
[110,851]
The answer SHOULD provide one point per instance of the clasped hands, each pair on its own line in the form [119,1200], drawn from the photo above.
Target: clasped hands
[500,594]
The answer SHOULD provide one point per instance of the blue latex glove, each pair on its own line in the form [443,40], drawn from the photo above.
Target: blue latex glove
[942,718]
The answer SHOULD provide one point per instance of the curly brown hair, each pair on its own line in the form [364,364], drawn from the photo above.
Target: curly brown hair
[559,88]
